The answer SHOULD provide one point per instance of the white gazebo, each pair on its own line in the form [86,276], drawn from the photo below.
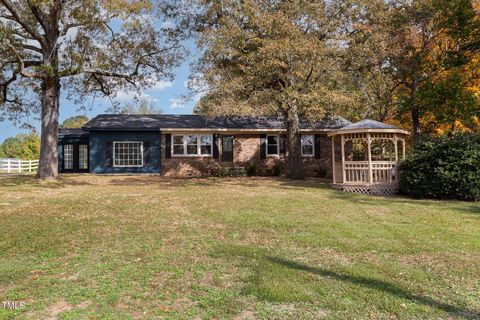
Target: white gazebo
[365,157]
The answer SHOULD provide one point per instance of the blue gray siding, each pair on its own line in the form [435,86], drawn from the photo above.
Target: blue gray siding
[68,140]
[99,161]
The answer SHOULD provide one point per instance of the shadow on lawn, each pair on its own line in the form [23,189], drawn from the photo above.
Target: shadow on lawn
[378,285]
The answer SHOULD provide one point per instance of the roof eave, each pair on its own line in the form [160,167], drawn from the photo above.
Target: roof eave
[342,131]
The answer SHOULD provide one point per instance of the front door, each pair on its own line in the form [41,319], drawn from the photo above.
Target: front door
[75,157]
[227,148]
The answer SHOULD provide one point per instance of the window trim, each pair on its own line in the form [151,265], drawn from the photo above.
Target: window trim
[127,165]
[313,146]
[278,146]
[64,168]
[87,156]
[199,145]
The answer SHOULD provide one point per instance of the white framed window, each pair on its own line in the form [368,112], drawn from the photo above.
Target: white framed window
[273,145]
[128,154]
[68,156]
[192,145]
[83,156]
[308,145]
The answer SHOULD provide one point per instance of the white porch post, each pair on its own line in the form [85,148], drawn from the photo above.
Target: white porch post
[370,174]
[334,169]
[343,158]
[395,141]
[403,149]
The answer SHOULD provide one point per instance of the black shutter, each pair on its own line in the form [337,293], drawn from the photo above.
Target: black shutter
[109,155]
[146,154]
[263,146]
[283,139]
[215,146]
[168,146]
[318,138]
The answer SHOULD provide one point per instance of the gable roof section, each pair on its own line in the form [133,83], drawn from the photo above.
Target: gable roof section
[188,122]
[367,125]
[72,133]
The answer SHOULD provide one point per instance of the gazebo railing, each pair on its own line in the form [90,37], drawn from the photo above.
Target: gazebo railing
[358,172]
[384,172]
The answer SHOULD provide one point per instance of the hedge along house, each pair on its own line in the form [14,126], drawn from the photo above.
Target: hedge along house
[193,145]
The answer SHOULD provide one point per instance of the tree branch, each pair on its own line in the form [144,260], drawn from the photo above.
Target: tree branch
[16,16]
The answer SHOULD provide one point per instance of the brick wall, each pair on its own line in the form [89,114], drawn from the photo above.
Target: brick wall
[246,150]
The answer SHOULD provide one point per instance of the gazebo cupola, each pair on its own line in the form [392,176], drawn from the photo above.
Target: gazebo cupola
[365,157]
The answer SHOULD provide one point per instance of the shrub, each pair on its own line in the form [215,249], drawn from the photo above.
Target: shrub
[251,169]
[228,172]
[444,168]
[277,169]
[321,172]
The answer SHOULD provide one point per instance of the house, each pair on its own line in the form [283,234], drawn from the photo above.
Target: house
[189,145]
[358,157]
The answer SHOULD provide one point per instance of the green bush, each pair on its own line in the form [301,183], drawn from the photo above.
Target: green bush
[228,172]
[251,169]
[444,168]
[277,170]
[321,172]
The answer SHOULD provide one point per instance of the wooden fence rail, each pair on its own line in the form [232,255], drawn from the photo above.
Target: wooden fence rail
[18,166]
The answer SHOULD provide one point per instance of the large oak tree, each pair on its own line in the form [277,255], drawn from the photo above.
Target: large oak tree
[269,58]
[81,47]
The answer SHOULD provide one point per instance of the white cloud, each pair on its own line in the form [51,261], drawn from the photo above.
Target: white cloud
[176,103]
[160,85]
[123,96]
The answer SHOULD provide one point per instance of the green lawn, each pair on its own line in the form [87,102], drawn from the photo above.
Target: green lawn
[93,247]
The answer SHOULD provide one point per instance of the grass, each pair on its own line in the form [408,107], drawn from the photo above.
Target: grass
[98,247]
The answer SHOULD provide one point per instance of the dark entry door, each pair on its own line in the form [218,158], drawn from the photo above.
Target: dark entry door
[227,148]
[75,157]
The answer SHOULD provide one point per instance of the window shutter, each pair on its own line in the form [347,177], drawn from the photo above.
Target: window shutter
[109,155]
[283,139]
[168,146]
[318,138]
[146,154]
[263,146]
[215,146]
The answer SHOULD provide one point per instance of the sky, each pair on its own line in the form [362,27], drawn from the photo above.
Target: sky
[165,95]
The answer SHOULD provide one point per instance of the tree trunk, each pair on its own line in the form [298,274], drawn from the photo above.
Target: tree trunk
[294,155]
[415,111]
[416,125]
[48,164]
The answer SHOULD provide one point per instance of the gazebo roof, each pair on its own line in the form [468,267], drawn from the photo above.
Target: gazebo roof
[368,125]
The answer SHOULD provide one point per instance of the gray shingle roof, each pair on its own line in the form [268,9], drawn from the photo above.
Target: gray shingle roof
[72,132]
[160,121]
[368,124]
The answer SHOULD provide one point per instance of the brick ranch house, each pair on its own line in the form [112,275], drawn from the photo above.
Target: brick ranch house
[194,145]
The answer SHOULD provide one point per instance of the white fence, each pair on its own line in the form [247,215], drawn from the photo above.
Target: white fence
[18,166]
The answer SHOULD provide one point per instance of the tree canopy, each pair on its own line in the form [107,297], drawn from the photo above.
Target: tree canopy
[22,146]
[75,122]
[270,57]
[83,47]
